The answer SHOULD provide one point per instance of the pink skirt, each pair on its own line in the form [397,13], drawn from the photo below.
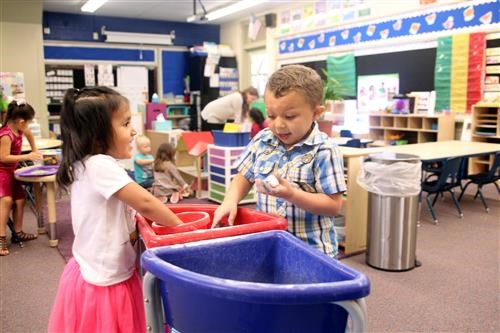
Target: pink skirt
[83,307]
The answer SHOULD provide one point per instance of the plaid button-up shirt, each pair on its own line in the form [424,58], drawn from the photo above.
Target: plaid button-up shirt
[314,165]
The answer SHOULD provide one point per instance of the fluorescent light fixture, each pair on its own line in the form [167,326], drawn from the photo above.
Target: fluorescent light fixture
[234,8]
[92,5]
[138,38]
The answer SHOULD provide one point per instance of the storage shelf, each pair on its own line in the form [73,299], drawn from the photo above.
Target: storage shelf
[413,128]
[485,128]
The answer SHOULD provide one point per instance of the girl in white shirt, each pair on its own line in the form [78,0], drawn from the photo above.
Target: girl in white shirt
[100,289]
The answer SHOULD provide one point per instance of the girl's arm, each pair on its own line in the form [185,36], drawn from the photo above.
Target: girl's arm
[7,157]
[316,203]
[31,139]
[143,162]
[146,204]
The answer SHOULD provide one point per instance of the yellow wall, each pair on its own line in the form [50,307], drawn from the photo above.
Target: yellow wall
[21,50]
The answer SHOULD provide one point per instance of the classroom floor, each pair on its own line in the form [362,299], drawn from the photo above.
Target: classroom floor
[455,289]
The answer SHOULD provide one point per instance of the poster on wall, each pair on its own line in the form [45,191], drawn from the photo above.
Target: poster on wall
[12,85]
[375,91]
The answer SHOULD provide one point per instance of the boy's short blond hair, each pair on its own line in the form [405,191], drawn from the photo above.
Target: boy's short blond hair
[141,140]
[297,78]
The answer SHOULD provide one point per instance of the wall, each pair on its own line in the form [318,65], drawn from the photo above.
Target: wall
[75,27]
[234,33]
[21,50]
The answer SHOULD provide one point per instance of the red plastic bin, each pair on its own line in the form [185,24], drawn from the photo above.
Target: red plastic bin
[247,221]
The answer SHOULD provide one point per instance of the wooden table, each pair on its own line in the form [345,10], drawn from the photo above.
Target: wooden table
[37,182]
[356,204]
[433,151]
[41,144]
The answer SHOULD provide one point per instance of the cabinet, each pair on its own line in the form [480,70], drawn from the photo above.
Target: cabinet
[412,128]
[221,172]
[485,128]
[355,201]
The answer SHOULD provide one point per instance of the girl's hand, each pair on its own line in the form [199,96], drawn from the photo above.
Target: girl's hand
[35,156]
[282,190]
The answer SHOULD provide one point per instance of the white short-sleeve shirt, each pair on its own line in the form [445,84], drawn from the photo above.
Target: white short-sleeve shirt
[102,224]
[220,110]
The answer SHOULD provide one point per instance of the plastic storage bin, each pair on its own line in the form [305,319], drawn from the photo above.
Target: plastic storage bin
[266,282]
[247,221]
[191,221]
[231,139]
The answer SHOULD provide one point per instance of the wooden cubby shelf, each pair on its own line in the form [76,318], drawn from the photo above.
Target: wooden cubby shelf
[485,128]
[412,128]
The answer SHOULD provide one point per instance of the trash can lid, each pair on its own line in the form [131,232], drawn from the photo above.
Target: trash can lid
[390,157]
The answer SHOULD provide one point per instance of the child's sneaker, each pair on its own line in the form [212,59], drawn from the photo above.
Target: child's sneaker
[174,198]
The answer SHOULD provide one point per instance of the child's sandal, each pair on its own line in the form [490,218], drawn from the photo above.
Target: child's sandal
[23,237]
[4,249]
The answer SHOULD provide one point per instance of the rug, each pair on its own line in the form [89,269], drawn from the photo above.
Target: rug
[64,229]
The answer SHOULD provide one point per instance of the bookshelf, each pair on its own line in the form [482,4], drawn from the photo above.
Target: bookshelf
[412,128]
[485,128]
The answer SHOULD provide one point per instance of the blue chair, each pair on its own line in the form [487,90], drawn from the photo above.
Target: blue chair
[446,181]
[481,179]
[345,134]
[356,143]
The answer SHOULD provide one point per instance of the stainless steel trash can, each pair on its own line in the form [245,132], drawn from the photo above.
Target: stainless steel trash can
[392,224]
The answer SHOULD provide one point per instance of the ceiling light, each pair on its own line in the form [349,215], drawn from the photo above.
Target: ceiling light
[231,9]
[92,5]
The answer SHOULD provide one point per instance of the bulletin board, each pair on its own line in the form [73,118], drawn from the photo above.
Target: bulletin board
[415,68]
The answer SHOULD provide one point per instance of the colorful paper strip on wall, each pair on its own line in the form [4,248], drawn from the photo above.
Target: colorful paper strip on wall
[459,68]
[464,16]
[343,69]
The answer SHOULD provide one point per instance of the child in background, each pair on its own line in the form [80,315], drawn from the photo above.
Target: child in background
[258,121]
[18,117]
[306,163]
[100,289]
[168,181]
[143,162]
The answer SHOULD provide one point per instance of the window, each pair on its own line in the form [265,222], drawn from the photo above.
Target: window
[258,69]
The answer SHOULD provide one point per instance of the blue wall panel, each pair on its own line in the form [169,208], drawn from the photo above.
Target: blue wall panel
[75,27]
[97,53]
[174,69]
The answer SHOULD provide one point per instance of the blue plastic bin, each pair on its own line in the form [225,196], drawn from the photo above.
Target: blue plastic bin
[265,282]
[231,139]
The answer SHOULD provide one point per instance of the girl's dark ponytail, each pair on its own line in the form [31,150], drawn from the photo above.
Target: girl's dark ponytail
[16,110]
[64,175]
[86,127]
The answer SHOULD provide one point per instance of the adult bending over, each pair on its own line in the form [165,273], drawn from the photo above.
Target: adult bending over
[233,106]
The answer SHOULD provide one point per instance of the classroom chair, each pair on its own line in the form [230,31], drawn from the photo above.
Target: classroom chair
[356,143]
[445,182]
[481,179]
[345,134]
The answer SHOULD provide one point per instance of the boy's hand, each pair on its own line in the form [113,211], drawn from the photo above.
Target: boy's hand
[225,209]
[283,189]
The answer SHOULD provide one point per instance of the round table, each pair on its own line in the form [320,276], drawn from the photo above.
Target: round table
[41,144]
[50,182]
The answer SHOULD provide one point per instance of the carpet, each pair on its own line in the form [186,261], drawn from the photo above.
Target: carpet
[64,228]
